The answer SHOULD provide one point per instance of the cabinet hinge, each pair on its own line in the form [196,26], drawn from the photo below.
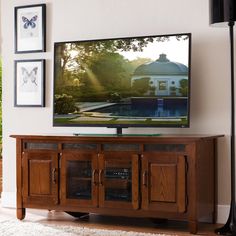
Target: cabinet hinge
[186,200]
[22,163]
[186,164]
[60,156]
[22,186]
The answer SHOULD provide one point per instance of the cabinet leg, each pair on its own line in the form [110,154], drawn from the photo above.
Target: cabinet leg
[20,213]
[193,227]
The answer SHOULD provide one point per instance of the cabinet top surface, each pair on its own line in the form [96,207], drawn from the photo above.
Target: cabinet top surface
[131,137]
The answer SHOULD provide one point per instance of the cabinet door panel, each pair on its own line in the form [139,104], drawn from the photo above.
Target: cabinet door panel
[40,183]
[164,182]
[163,176]
[40,177]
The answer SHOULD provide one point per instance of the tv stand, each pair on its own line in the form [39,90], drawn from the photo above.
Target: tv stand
[119,131]
[165,177]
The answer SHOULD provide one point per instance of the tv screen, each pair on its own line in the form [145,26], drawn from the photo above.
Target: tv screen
[123,82]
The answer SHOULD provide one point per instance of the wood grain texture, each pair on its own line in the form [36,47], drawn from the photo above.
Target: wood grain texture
[205,178]
[163,182]
[40,177]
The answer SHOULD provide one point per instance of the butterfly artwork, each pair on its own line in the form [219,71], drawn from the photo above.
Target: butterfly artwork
[29,22]
[30,28]
[29,79]
[29,82]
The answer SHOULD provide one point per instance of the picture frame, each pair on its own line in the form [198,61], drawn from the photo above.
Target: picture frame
[30,28]
[29,83]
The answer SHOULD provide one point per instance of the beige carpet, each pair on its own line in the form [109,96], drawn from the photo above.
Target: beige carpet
[10,227]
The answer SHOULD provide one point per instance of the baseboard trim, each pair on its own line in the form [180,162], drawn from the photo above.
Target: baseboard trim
[8,199]
[223,213]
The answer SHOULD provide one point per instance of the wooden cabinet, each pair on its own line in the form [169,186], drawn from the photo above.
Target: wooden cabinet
[170,177]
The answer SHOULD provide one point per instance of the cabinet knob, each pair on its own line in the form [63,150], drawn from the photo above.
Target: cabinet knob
[100,177]
[94,177]
[54,179]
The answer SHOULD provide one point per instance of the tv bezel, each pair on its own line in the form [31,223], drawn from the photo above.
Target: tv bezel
[120,126]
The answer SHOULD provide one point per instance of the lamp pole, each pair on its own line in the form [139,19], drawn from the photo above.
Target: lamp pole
[223,12]
[230,226]
[231,31]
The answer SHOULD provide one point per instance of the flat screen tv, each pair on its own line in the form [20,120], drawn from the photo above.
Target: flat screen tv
[123,82]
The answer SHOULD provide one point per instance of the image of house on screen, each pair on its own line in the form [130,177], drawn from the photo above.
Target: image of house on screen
[164,77]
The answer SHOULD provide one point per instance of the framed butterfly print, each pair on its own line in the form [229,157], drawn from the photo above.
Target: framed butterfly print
[30,28]
[29,83]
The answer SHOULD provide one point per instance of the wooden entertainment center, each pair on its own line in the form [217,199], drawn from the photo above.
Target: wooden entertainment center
[166,177]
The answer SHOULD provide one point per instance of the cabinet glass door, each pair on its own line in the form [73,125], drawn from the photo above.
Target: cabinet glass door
[118,180]
[79,178]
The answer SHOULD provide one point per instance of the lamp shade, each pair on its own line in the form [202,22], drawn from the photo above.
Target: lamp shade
[222,11]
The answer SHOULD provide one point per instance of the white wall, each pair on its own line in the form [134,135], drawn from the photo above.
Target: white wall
[90,19]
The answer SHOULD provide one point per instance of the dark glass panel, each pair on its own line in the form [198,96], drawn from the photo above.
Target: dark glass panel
[121,147]
[165,147]
[81,146]
[32,145]
[118,181]
[79,180]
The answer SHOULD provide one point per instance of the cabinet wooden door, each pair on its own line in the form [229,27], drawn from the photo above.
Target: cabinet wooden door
[119,180]
[79,179]
[40,177]
[164,182]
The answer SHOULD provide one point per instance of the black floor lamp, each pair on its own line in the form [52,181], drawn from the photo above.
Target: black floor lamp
[224,12]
